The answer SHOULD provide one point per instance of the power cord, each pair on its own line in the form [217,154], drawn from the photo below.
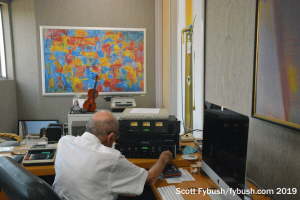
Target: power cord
[249,196]
[253,182]
[265,195]
[190,130]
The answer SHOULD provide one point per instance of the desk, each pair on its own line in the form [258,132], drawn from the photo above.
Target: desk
[144,163]
[201,180]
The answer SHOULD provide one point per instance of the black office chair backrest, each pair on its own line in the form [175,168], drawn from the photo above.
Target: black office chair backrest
[20,184]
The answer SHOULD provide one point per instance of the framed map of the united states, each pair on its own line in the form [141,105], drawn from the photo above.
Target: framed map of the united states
[71,57]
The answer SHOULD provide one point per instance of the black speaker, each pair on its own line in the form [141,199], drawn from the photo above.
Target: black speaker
[54,132]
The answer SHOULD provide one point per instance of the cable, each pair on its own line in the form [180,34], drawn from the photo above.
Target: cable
[271,198]
[265,195]
[254,183]
[190,130]
[196,130]
[258,187]
[249,196]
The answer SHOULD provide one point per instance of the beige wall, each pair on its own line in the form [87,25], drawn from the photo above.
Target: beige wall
[8,107]
[170,56]
[173,57]
[8,101]
[273,150]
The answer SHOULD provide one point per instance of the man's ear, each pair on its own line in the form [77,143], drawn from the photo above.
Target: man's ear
[109,136]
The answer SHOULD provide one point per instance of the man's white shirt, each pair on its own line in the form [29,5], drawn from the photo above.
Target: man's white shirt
[86,169]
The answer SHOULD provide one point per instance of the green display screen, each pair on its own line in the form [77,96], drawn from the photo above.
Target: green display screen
[147,129]
[46,152]
[144,147]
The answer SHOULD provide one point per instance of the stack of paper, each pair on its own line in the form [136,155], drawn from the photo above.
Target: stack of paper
[6,149]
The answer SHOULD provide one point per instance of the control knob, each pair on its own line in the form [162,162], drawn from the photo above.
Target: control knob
[153,149]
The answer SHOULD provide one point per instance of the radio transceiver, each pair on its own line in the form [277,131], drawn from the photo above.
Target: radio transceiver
[148,139]
[144,138]
[145,151]
[169,126]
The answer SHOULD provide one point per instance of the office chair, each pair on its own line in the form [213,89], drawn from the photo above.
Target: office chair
[20,184]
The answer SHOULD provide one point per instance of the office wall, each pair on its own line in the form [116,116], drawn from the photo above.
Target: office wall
[8,101]
[28,15]
[273,151]
[8,107]
[169,56]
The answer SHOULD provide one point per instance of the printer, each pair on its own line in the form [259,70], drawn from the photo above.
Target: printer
[120,103]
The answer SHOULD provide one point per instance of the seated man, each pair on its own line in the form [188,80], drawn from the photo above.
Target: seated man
[87,167]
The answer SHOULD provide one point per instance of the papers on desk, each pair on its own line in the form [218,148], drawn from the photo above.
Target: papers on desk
[186,176]
[6,149]
[173,180]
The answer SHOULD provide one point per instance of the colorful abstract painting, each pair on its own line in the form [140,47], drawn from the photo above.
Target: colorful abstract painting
[73,56]
[277,67]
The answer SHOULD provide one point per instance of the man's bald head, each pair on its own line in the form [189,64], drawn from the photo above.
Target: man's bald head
[102,123]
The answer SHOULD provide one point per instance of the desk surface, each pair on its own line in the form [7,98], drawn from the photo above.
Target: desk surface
[202,181]
[143,163]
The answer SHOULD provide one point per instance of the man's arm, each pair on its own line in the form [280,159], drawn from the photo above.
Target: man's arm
[164,159]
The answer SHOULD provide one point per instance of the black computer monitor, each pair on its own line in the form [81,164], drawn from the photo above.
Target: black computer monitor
[32,127]
[225,139]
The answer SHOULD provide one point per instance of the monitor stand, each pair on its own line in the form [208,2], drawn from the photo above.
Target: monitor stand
[223,197]
[218,197]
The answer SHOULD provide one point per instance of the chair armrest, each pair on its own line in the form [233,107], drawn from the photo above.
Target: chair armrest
[11,135]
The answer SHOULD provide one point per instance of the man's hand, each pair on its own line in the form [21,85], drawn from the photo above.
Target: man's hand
[166,157]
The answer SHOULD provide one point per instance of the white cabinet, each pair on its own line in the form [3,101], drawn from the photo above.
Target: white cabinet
[85,117]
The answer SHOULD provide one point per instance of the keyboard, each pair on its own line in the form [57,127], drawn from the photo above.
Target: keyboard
[169,193]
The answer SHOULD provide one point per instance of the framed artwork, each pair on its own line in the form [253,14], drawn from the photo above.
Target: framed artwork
[276,91]
[71,57]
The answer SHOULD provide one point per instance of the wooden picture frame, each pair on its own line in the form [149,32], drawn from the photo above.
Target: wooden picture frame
[276,89]
[72,56]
